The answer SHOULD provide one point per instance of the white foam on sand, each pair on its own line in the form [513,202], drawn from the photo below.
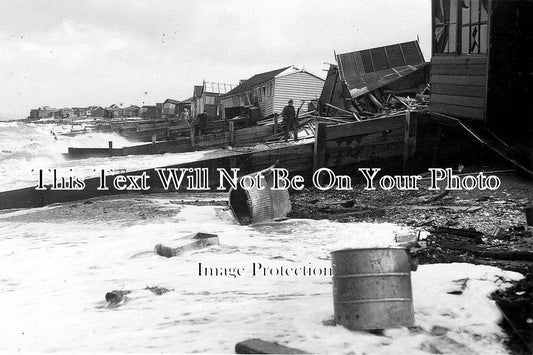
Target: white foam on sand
[54,276]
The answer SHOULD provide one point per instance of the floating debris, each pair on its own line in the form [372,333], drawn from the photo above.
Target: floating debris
[158,290]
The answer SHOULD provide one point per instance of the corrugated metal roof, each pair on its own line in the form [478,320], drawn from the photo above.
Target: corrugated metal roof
[256,80]
[369,69]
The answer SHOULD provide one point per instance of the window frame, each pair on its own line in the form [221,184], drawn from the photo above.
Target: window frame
[459,25]
[478,23]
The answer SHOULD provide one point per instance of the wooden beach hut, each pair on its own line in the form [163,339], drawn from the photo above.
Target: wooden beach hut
[271,90]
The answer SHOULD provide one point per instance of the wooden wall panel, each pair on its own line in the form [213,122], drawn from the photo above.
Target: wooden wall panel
[458,111]
[298,86]
[459,86]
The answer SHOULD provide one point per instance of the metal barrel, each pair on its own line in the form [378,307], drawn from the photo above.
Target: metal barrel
[372,288]
[254,205]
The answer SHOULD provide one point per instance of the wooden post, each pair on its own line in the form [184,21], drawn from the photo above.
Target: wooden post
[192,135]
[319,153]
[231,133]
[436,145]
[110,148]
[154,139]
[414,122]
[406,140]
[276,123]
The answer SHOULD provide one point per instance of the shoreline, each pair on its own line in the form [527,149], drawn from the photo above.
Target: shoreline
[421,210]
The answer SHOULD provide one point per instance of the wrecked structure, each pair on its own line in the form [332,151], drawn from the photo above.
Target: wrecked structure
[371,81]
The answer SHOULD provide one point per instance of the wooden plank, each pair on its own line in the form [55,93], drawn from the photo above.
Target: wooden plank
[459,90]
[466,101]
[411,145]
[231,133]
[261,131]
[462,59]
[457,111]
[258,346]
[319,152]
[365,127]
[257,136]
[198,241]
[212,140]
[459,69]
[192,132]
[349,156]
[396,135]
[174,146]
[406,141]
[458,80]
[94,152]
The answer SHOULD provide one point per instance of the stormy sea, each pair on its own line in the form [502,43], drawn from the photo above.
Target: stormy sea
[270,281]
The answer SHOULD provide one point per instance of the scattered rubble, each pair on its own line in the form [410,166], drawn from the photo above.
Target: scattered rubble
[516,305]
[158,290]
[476,227]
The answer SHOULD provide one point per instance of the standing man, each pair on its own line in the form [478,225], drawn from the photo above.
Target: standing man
[201,120]
[184,116]
[289,121]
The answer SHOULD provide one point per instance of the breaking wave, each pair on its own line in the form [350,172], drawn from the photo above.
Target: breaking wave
[27,147]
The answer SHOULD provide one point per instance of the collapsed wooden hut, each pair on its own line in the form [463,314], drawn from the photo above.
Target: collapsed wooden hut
[367,81]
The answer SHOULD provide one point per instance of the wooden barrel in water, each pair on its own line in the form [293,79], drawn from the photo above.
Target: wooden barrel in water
[372,288]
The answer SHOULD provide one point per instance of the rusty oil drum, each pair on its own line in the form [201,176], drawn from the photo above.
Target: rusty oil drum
[372,288]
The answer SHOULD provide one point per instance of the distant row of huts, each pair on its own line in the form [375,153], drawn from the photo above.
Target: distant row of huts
[267,93]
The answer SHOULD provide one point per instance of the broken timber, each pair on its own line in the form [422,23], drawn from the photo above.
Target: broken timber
[201,240]
[258,346]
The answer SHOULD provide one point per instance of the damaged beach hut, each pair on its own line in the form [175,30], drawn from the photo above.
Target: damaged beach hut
[270,91]
[371,81]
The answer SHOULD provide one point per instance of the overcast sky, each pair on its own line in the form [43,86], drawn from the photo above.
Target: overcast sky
[98,52]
